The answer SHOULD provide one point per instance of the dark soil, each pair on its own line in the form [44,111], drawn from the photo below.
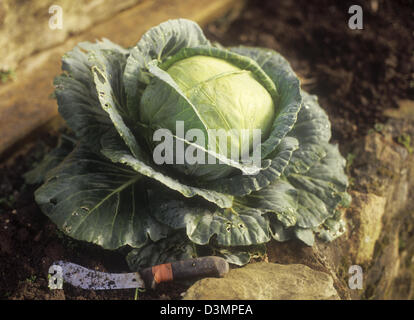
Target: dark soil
[30,243]
[357,74]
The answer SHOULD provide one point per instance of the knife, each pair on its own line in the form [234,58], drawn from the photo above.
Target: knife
[84,278]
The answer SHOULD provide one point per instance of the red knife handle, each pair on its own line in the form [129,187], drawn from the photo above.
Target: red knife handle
[184,269]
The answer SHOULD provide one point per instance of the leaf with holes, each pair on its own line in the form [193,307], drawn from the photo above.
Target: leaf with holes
[92,199]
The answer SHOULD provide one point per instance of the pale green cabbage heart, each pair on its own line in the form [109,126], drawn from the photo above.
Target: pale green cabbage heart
[221,96]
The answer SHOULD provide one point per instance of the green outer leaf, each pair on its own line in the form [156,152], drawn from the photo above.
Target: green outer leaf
[321,188]
[239,258]
[157,43]
[304,158]
[174,248]
[278,231]
[305,235]
[311,128]
[304,200]
[332,228]
[241,185]
[111,106]
[91,199]
[77,98]
[51,160]
[279,198]
[238,226]
[114,149]
[288,87]
[241,255]
[312,125]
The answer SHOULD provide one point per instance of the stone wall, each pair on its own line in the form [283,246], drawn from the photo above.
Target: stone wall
[24,24]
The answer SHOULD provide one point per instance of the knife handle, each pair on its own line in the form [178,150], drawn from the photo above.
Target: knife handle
[184,269]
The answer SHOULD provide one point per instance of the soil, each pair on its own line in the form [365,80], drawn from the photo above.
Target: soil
[30,243]
[357,74]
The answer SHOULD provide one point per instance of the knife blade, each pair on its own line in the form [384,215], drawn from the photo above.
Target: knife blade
[85,278]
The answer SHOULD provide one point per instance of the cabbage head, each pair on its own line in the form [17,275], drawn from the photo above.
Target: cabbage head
[144,171]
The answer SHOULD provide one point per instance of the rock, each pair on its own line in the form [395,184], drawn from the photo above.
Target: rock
[266,281]
[32,19]
[385,167]
[379,165]
[380,220]
[23,24]
[405,110]
[367,225]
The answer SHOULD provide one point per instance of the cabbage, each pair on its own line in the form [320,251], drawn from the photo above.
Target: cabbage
[148,172]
